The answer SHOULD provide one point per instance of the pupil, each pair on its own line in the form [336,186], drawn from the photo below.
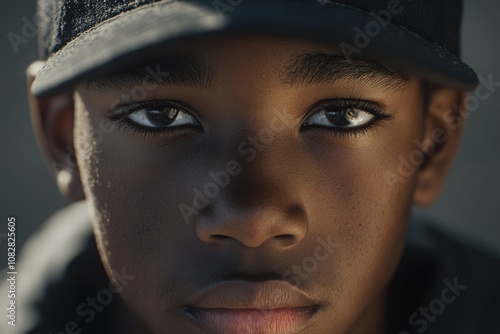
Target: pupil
[163,117]
[338,117]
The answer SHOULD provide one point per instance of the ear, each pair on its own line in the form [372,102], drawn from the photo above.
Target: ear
[52,120]
[445,118]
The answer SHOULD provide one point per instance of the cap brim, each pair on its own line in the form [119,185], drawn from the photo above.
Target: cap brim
[128,36]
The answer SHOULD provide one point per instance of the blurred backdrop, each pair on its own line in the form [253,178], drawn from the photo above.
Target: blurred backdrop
[469,206]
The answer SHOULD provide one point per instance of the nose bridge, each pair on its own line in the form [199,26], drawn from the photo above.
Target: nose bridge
[269,170]
[264,181]
[260,138]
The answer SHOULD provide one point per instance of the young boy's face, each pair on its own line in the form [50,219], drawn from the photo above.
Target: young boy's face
[269,161]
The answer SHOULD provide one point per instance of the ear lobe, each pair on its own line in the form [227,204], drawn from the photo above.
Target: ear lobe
[445,117]
[52,121]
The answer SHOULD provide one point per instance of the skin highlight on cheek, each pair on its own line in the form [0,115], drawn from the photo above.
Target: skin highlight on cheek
[88,145]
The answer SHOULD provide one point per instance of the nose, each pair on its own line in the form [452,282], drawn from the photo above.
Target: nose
[264,203]
[282,227]
[260,205]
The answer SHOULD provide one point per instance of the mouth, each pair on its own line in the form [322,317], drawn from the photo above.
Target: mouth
[245,307]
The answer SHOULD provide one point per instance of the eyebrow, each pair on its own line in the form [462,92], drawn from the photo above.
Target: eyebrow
[174,69]
[306,68]
[324,68]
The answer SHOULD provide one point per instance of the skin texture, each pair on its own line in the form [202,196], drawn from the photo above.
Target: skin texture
[302,184]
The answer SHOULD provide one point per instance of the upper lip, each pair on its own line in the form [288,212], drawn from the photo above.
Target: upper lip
[242,294]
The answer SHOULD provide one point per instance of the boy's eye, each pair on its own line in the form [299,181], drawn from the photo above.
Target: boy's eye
[345,115]
[158,117]
[340,117]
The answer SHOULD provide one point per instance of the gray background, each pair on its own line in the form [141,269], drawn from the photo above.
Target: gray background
[469,206]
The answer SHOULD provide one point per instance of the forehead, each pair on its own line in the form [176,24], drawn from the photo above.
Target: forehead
[293,62]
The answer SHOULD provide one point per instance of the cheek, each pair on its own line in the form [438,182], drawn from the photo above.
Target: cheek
[366,210]
[134,193]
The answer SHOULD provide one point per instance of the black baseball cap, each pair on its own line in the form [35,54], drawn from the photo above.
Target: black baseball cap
[82,39]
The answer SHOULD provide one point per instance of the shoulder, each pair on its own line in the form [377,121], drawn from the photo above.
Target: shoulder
[448,284]
[58,270]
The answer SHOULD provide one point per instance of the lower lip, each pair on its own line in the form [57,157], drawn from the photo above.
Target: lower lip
[254,321]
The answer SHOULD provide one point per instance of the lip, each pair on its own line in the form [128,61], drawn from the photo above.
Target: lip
[246,307]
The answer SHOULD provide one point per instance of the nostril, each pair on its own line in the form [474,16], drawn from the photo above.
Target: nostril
[220,237]
[285,237]
[217,239]
[252,227]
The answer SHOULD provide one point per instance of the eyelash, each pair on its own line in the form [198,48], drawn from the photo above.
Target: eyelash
[124,124]
[368,106]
